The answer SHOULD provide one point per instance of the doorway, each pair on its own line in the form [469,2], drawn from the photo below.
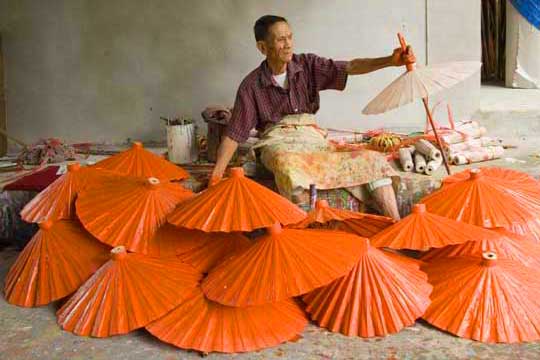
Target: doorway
[493,40]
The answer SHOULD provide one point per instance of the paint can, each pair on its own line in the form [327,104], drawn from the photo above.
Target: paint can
[182,144]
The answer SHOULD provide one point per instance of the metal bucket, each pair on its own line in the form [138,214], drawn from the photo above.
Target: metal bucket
[182,144]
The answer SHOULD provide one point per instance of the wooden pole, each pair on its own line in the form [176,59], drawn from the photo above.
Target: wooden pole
[439,142]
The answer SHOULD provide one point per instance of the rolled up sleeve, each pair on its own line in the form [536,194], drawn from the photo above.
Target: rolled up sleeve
[244,117]
[328,74]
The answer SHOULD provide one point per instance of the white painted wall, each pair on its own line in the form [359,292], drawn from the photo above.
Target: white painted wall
[106,70]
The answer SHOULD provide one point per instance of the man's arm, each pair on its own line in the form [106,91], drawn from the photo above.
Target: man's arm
[225,152]
[364,66]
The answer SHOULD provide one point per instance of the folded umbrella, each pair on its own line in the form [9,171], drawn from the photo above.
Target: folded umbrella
[58,259]
[382,294]
[142,163]
[203,325]
[421,231]
[282,264]
[485,299]
[236,204]
[126,293]
[57,201]
[127,210]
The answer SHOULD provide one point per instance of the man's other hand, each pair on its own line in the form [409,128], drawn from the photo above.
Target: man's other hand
[400,57]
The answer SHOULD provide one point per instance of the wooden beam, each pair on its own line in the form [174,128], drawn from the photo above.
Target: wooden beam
[3,111]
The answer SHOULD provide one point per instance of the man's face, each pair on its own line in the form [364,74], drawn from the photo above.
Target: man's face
[279,43]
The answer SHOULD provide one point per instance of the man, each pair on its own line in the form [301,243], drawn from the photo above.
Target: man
[281,96]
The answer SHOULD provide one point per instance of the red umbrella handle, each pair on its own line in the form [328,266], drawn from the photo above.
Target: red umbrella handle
[403,43]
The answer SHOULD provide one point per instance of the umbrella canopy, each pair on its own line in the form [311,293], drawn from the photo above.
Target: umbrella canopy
[57,201]
[422,82]
[499,300]
[127,210]
[369,226]
[127,293]
[382,294]
[170,240]
[282,264]
[421,231]
[51,266]
[323,215]
[506,245]
[203,325]
[236,204]
[216,249]
[481,199]
[142,163]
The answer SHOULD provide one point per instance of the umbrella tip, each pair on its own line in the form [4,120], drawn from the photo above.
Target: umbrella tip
[489,258]
[419,208]
[321,204]
[119,252]
[73,167]
[152,181]
[45,224]
[237,172]
[275,229]
[137,145]
[475,173]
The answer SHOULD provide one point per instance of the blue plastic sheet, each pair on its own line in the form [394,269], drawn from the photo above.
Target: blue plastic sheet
[529,9]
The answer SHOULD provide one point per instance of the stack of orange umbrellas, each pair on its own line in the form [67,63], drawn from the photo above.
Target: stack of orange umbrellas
[182,268]
[496,277]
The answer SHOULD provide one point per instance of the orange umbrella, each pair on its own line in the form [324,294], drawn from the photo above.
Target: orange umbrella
[282,264]
[236,204]
[203,325]
[382,294]
[217,248]
[172,241]
[484,200]
[522,181]
[323,214]
[142,163]
[127,293]
[57,201]
[58,259]
[488,300]
[128,211]
[420,83]
[369,226]
[507,245]
[421,231]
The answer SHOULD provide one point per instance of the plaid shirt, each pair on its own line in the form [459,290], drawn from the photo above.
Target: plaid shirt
[261,102]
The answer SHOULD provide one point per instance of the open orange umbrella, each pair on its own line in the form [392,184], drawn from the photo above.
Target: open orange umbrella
[202,325]
[521,180]
[282,264]
[170,240]
[382,294]
[57,201]
[127,293]
[368,226]
[507,245]
[420,83]
[421,231]
[56,261]
[483,200]
[217,248]
[236,204]
[142,163]
[324,216]
[127,210]
[485,299]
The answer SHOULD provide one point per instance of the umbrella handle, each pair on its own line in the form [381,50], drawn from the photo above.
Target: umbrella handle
[403,43]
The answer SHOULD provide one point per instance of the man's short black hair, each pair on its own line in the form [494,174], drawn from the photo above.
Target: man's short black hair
[263,24]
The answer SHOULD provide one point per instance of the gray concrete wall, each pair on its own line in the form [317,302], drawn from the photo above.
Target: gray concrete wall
[106,70]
